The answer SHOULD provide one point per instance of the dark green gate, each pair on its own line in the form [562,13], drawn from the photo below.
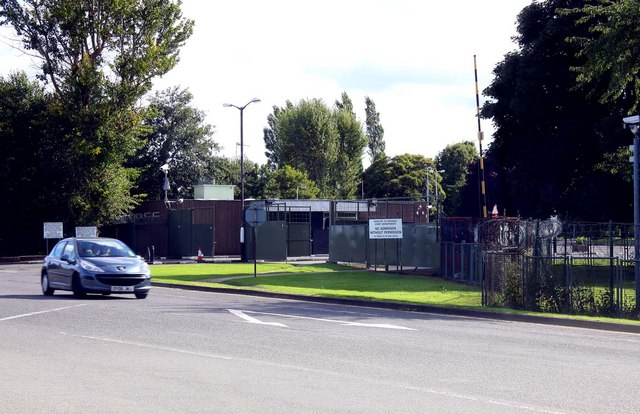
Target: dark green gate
[187,237]
[298,231]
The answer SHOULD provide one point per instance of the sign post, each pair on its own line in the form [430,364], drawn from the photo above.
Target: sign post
[387,229]
[52,230]
[255,215]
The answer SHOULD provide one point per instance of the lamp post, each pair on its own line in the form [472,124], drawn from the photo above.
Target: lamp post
[427,192]
[634,126]
[299,187]
[243,256]
[165,185]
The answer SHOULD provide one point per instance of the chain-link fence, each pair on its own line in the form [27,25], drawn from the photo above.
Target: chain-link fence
[549,266]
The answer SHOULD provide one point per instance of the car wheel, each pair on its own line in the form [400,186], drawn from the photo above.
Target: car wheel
[141,295]
[76,287]
[44,282]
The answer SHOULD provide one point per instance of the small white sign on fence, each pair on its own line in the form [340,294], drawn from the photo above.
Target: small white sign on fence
[88,231]
[52,230]
[385,228]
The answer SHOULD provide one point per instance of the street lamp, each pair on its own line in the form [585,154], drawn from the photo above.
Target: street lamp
[634,125]
[299,187]
[165,185]
[241,109]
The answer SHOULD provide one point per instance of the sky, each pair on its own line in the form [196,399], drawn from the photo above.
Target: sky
[413,58]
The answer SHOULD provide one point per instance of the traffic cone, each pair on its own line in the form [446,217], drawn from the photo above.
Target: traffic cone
[494,212]
[200,258]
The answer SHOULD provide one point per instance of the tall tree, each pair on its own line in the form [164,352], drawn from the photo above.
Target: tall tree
[345,104]
[289,183]
[256,179]
[610,64]
[96,50]
[549,136]
[179,137]
[32,164]
[455,160]
[375,132]
[100,58]
[351,142]
[400,176]
[270,139]
[326,143]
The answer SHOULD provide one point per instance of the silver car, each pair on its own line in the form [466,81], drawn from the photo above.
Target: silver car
[95,265]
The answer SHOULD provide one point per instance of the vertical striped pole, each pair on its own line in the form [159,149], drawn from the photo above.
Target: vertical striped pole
[483,197]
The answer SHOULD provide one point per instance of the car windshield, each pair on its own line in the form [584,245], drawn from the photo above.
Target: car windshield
[104,248]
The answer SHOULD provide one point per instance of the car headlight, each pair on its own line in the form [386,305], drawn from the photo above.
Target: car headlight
[89,266]
[144,268]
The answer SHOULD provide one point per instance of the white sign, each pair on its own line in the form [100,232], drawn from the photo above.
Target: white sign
[385,228]
[89,231]
[53,230]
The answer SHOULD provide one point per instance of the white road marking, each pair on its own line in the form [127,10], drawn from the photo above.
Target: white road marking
[481,399]
[486,400]
[40,312]
[377,325]
[325,372]
[336,311]
[243,314]
[151,346]
[249,319]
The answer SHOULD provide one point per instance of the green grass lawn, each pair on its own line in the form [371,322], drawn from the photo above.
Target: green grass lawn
[331,280]
[203,271]
[328,280]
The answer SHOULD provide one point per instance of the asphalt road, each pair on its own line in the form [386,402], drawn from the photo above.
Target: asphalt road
[189,351]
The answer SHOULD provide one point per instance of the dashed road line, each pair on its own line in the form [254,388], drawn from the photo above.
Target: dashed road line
[24,315]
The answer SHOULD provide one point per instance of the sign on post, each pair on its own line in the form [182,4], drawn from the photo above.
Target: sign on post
[255,215]
[52,230]
[385,228]
[87,231]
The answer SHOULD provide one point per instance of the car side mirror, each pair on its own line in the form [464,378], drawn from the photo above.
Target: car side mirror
[66,258]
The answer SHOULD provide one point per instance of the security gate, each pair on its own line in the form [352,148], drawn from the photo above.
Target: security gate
[298,231]
[190,232]
[286,233]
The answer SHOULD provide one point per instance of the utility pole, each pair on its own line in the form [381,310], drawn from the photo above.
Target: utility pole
[483,191]
[634,126]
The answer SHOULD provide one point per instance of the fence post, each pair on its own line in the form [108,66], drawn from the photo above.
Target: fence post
[619,287]
[525,266]
[569,265]
[462,261]
[482,278]
[611,271]
[445,261]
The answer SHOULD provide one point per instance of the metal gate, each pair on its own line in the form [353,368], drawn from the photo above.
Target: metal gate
[190,232]
[298,231]
[287,232]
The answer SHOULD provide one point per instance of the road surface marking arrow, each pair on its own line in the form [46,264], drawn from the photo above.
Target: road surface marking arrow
[249,319]
[243,314]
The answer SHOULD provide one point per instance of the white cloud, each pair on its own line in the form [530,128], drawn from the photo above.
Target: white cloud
[414,58]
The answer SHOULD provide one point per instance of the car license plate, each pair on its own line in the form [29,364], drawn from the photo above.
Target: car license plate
[122,288]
